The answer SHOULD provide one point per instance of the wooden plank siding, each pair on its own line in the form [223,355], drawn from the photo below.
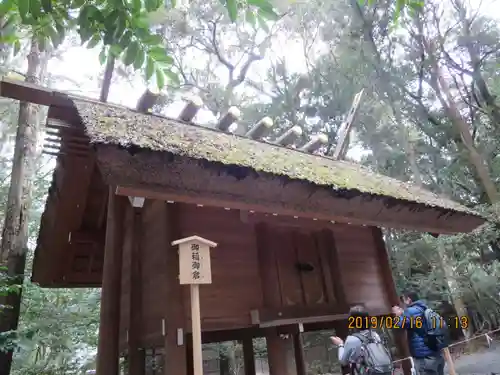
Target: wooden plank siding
[361,272]
[237,286]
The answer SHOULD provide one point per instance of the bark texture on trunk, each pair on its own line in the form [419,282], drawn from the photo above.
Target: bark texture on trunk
[15,231]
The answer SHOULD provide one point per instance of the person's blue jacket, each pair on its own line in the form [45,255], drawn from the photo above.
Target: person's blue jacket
[416,341]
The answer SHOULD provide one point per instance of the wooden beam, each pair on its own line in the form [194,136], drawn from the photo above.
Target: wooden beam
[136,354]
[232,115]
[289,137]
[260,128]
[316,142]
[191,108]
[108,350]
[284,315]
[281,209]
[343,142]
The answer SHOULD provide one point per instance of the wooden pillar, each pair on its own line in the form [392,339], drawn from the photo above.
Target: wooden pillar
[109,328]
[276,353]
[175,352]
[298,348]
[136,354]
[400,336]
[248,355]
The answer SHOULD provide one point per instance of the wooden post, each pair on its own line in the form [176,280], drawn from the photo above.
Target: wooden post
[276,353]
[385,267]
[196,329]
[449,360]
[298,348]
[136,354]
[248,355]
[194,269]
[108,349]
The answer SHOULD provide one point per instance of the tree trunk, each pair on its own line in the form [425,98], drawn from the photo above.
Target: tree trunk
[15,232]
[476,159]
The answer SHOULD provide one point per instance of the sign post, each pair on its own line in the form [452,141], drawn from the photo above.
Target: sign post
[194,269]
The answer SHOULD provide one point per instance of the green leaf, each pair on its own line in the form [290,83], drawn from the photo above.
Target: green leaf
[125,39]
[172,76]
[47,6]
[268,14]
[54,36]
[17,47]
[85,34]
[250,18]
[94,41]
[35,7]
[150,5]
[160,79]
[232,9]
[24,8]
[8,38]
[102,56]
[121,24]
[136,6]
[60,31]
[131,53]
[173,3]
[152,39]
[10,22]
[115,50]
[262,23]
[139,60]
[5,7]
[159,54]
[150,68]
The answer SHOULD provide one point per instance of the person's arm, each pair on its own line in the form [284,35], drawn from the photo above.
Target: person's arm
[405,317]
[347,352]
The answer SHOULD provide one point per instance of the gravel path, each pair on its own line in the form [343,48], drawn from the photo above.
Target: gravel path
[483,363]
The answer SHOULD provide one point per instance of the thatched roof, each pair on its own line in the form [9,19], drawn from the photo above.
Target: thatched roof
[116,125]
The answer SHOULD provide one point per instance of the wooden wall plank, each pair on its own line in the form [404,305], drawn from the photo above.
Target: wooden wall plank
[359,267]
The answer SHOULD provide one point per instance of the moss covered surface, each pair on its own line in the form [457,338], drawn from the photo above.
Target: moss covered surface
[115,125]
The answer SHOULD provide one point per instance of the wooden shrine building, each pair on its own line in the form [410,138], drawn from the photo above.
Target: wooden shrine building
[299,238]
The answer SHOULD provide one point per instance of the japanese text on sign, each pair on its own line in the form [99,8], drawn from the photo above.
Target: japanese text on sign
[195,261]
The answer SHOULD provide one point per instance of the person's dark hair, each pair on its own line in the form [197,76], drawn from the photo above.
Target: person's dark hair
[411,295]
[359,319]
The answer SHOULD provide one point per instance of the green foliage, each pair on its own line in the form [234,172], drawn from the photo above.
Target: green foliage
[120,26]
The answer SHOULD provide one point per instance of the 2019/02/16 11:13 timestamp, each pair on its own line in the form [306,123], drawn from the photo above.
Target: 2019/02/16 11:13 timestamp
[396,322]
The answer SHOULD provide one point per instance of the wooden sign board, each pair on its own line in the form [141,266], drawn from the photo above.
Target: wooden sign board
[194,260]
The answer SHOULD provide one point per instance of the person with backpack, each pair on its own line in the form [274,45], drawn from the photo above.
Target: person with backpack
[363,349]
[427,334]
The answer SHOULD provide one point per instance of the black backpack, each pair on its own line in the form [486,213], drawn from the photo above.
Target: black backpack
[436,331]
[375,357]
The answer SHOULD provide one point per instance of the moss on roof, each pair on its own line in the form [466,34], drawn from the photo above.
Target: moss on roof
[117,125]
